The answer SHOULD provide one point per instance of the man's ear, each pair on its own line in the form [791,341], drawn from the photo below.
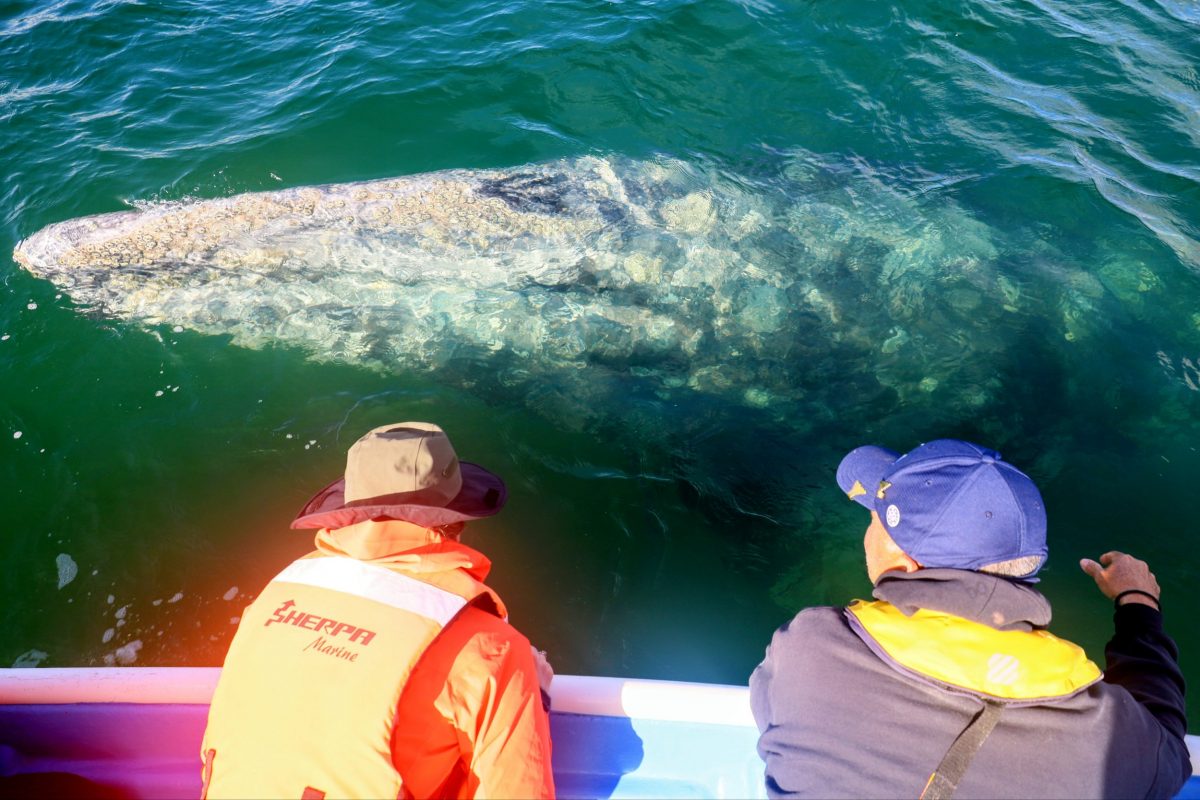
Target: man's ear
[900,559]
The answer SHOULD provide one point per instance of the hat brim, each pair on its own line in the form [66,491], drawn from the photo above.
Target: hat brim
[861,471]
[483,494]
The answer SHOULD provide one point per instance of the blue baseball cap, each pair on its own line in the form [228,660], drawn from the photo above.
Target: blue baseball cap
[949,503]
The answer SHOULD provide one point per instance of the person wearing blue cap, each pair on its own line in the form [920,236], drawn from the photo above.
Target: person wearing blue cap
[948,683]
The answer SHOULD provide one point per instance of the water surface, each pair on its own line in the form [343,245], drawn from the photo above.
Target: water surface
[982,223]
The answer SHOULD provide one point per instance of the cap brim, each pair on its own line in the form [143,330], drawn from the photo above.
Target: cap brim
[483,494]
[861,471]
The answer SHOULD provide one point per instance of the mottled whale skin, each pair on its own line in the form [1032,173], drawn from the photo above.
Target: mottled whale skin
[583,286]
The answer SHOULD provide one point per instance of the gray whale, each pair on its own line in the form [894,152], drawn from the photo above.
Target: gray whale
[577,285]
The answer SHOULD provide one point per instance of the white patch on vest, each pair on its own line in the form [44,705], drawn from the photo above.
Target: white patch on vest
[380,584]
[1003,669]
[893,515]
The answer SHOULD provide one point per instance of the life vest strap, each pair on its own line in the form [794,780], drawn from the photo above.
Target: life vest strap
[953,766]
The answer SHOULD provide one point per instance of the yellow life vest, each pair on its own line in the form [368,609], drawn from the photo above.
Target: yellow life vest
[1006,665]
[306,702]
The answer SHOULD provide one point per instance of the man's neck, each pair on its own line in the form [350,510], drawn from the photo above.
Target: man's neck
[1001,603]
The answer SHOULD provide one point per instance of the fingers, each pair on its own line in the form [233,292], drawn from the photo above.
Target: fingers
[545,672]
[1117,572]
[1110,561]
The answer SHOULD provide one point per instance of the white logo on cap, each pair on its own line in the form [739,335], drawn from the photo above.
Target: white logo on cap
[893,516]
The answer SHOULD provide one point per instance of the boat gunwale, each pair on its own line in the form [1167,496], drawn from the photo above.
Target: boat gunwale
[635,698]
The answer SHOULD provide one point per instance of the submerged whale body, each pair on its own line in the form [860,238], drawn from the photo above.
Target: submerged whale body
[575,285]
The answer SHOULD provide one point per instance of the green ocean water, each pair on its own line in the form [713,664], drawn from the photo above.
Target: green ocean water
[983,223]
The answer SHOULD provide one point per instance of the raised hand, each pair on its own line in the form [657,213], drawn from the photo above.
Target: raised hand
[1123,578]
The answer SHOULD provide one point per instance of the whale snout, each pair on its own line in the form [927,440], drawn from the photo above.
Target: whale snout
[72,244]
[40,253]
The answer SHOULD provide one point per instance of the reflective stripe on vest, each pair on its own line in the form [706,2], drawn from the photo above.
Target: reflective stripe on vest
[307,699]
[1008,665]
[375,583]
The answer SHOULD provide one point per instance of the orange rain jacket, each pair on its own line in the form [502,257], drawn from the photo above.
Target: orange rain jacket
[379,665]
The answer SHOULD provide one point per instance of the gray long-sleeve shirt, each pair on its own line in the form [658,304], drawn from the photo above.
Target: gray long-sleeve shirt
[838,721]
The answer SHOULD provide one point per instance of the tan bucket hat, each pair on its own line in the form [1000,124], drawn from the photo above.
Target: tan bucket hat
[407,471]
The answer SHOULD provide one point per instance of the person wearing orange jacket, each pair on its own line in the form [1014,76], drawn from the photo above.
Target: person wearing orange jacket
[380,665]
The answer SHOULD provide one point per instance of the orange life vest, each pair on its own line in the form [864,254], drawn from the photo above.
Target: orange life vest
[306,703]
